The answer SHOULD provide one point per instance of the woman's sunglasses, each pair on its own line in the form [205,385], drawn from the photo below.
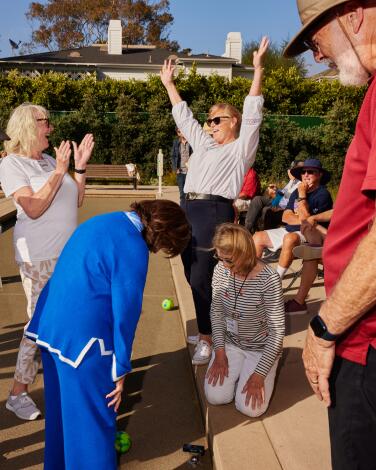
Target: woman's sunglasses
[45,119]
[310,172]
[216,120]
[228,261]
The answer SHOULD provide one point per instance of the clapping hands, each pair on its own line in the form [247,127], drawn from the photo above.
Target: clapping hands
[82,152]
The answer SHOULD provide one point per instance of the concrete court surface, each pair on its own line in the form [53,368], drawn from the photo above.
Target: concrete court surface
[160,408]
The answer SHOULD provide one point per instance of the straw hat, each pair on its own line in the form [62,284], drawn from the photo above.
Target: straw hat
[310,11]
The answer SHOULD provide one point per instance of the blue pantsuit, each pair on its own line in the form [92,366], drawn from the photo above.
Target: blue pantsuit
[77,438]
[84,322]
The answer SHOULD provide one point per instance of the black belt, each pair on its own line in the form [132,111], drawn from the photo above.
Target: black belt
[207,197]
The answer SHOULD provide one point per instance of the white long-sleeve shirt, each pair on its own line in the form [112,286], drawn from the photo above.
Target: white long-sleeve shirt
[219,169]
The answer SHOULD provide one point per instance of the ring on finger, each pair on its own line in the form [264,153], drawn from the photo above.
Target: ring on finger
[314,382]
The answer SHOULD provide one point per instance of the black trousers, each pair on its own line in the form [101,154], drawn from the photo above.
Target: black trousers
[198,261]
[255,211]
[352,415]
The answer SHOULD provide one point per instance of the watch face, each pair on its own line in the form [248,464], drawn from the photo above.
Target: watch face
[318,326]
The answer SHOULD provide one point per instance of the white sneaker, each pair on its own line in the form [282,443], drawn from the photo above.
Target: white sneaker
[23,407]
[202,353]
[193,339]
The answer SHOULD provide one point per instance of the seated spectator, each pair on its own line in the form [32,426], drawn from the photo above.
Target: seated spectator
[250,189]
[248,324]
[276,200]
[181,151]
[310,198]
[310,252]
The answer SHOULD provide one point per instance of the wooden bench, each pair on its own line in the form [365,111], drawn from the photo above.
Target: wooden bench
[110,172]
[8,213]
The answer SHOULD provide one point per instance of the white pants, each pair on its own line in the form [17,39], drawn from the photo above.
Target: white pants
[34,277]
[241,364]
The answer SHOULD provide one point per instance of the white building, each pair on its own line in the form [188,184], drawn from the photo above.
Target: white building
[122,62]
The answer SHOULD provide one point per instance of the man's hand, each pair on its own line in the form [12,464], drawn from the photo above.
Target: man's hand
[255,391]
[219,368]
[307,226]
[302,189]
[318,357]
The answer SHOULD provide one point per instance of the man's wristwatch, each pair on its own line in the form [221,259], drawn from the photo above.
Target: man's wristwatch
[320,329]
[301,199]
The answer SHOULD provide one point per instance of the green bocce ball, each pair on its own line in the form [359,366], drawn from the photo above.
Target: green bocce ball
[167,304]
[123,442]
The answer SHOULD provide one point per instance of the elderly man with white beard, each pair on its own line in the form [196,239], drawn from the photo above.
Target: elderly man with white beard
[340,355]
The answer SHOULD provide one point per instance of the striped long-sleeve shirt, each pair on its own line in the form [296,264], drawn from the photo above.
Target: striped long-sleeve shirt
[259,313]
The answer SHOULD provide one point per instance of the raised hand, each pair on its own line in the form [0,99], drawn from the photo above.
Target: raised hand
[82,152]
[258,56]
[63,153]
[167,73]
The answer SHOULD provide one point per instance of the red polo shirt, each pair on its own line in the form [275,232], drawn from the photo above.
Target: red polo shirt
[251,184]
[353,214]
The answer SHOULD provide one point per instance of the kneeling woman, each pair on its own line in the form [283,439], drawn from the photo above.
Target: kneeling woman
[85,322]
[248,322]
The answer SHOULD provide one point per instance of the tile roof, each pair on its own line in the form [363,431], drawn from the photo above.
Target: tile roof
[98,55]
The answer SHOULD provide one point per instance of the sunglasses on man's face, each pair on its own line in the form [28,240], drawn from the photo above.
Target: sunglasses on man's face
[310,172]
[312,45]
[228,261]
[45,120]
[217,120]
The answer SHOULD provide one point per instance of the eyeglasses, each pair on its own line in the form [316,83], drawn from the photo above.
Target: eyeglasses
[45,119]
[310,172]
[228,261]
[216,120]
[312,45]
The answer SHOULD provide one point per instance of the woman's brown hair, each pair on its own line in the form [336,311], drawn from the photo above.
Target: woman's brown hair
[237,243]
[165,225]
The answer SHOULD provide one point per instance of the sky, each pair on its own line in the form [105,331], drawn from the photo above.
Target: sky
[201,25]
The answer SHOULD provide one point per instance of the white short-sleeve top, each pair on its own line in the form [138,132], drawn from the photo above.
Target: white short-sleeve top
[44,237]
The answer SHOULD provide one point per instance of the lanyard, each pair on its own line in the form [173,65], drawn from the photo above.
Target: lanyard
[240,290]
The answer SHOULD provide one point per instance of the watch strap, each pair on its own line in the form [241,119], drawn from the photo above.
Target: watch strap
[320,329]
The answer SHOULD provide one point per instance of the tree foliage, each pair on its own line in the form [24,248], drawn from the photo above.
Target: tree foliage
[274,58]
[65,24]
[132,119]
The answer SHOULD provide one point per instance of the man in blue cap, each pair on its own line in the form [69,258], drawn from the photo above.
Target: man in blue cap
[340,351]
[309,199]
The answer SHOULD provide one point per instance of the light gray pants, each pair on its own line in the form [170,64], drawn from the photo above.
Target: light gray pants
[34,277]
[241,364]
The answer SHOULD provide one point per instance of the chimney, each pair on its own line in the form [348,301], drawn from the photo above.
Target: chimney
[115,37]
[234,47]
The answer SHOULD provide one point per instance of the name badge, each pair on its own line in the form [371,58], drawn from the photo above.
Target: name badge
[232,325]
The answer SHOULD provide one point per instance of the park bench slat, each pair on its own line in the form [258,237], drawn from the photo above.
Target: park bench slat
[107,172]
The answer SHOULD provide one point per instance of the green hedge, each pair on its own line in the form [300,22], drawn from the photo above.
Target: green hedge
[132,119]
